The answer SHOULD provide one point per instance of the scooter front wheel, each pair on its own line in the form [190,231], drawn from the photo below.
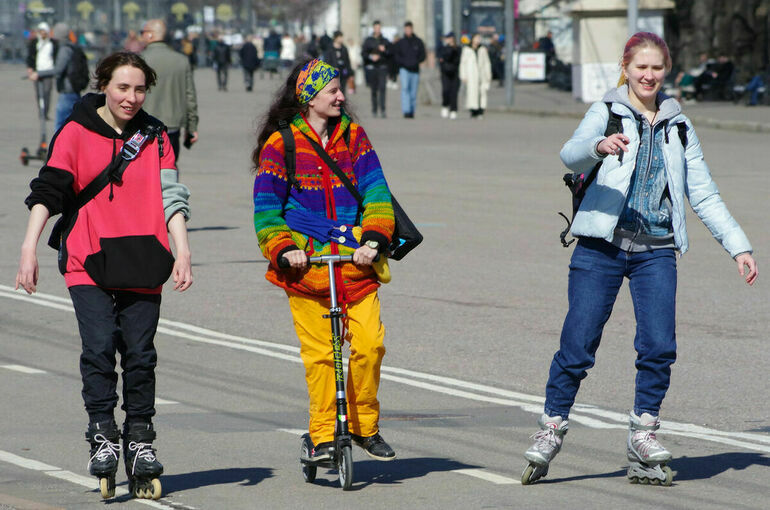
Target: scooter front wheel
[345,468]
[308,470]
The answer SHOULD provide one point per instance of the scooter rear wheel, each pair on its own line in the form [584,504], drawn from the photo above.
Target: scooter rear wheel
[345,468]
[308,470]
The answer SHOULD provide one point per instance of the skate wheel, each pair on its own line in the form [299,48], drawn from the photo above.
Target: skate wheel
[107,487]
[345,468]
[155,490]
[669,476]
[633,479]
[526,476]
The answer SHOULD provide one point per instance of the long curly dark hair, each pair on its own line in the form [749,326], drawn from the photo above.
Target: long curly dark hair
[284,107]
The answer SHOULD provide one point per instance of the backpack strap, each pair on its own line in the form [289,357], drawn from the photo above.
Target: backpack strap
[289,155]
[681,128]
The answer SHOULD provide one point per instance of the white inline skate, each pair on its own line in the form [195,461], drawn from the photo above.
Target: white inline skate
[647,457]
[548,441]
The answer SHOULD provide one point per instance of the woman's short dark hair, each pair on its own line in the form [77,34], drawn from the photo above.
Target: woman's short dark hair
[107,66]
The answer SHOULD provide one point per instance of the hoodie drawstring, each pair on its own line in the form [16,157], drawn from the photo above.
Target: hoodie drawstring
[114,150]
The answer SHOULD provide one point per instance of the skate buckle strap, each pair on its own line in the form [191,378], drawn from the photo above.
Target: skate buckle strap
[106,449]
[143,451]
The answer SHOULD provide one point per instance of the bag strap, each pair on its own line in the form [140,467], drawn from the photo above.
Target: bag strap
[289,155]
[337,171]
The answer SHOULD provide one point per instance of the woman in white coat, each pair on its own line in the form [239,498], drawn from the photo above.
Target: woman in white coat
[476,75]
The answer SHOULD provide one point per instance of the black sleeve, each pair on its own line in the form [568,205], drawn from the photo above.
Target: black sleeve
[421,56]
[52,188]
[31,53]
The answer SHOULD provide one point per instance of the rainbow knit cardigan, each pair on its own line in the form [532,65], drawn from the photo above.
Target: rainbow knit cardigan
[321,192]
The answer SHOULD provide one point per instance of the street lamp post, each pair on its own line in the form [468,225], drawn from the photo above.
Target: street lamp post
[509,35]
[633,16]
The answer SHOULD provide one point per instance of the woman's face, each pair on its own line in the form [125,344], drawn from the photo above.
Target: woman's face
[328,102]
[125,93]
[476,41]
[645,74]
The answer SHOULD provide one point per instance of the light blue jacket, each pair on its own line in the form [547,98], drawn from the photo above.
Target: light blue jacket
[686,173]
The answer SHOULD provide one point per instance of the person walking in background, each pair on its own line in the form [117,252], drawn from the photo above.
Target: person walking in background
[288,51]
[68,84]
[132,42]
[249,61]
[337,56]
[409,53]
[449,62]
[222,60]
[376,54]
[41,57]
[631,224]
[476,75]
[173,99]
[272,48]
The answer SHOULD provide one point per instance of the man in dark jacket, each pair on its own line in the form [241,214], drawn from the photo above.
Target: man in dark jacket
[449,61]
[409,52]
[249,62]
[337,56]
[41,57]
[222,60]
[376,53]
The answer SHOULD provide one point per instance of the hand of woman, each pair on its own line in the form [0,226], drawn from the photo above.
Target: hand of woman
[613,144]
[182,272]
[28,271]
[297,258]
[745,259]
[363,256]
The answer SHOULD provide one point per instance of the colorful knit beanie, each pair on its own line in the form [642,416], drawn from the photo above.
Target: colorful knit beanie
[315,75]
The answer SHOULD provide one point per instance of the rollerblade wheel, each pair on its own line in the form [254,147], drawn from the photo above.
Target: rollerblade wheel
[308,471]
[669,476]
[155,490]
[107,487]
[346,468]
[526,476]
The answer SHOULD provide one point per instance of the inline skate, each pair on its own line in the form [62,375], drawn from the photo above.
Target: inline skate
[647,457]
[548,441]
[105,452]
[142,466]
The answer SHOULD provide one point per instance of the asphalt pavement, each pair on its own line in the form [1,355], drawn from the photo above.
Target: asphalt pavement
[472,316]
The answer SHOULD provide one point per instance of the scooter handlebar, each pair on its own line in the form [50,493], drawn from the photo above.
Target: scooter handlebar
[283,262]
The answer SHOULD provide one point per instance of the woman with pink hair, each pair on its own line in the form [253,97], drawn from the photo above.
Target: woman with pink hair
[631,224]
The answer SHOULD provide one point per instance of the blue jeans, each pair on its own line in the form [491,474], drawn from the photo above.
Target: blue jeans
[596,273]
[409,83]
[64,108]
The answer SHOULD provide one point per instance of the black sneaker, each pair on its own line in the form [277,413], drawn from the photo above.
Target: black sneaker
[322,452]
[375,447]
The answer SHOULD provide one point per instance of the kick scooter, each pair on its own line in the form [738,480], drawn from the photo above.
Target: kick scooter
[342,456]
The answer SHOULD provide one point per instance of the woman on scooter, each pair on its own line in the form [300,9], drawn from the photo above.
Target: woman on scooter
[631,224]
[310,104]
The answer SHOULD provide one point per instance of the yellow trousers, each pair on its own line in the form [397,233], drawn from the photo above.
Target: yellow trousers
[365,337]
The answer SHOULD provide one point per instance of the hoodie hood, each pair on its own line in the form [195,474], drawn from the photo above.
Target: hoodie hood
[668,107]
[84,113]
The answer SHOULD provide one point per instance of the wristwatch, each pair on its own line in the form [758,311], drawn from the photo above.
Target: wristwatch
[375,245]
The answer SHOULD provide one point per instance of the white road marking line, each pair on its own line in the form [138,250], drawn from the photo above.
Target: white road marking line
[294,432]
[23,369]
[486,475]
[164,402]
[529,403]
[69,476]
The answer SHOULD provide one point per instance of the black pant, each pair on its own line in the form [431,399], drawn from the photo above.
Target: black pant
[450,87]
[378,80]
[126,322]
[221,76]
[248,78]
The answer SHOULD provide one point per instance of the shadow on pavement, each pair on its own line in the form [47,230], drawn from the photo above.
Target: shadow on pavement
[370,472]
[614,474]
[242,476]
[701,468]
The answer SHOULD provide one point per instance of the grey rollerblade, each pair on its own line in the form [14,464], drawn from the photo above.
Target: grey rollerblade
[647,457]
[105,452]
[142,466]
[547,444]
